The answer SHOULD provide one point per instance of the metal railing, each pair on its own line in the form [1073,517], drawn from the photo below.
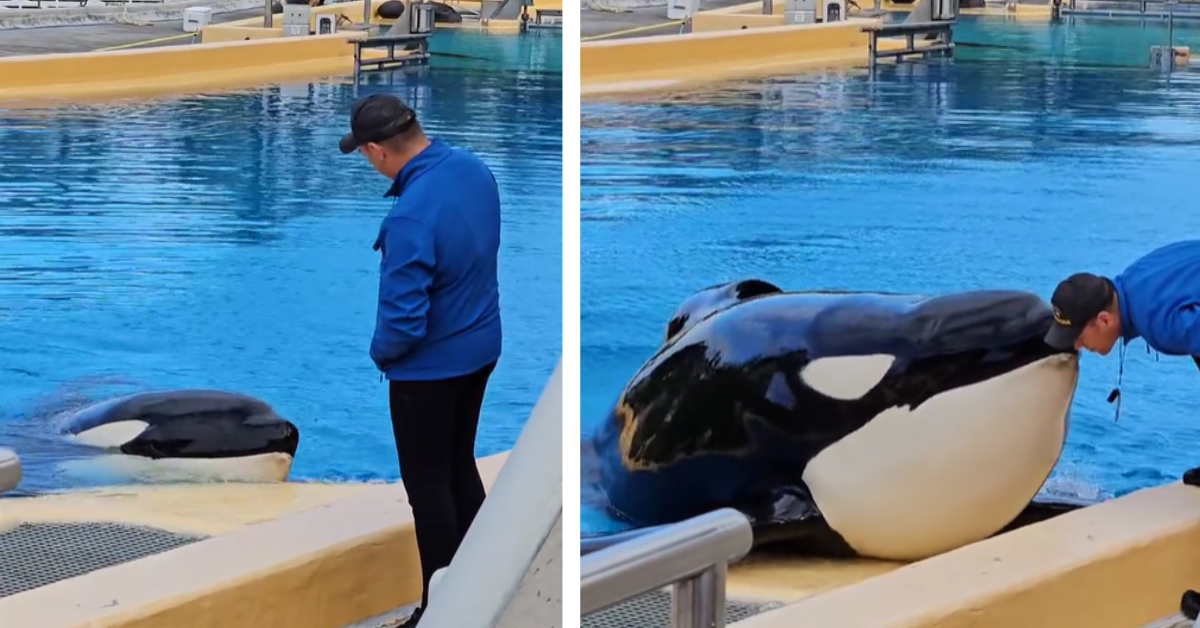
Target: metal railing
[692,555]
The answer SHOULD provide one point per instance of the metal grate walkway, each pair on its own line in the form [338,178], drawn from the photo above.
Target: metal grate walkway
[653,610]
[37,554]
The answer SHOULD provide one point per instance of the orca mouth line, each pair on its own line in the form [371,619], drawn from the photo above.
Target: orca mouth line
[277,439]
[154,454]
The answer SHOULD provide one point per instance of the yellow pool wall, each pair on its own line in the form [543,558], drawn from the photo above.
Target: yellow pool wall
[336,555]
[672,60]
[174,68]
[229,55]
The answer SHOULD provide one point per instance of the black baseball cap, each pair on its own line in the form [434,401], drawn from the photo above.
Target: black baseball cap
[1076,301]
[374,119]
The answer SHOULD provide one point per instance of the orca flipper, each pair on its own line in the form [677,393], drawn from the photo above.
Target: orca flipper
[791,522]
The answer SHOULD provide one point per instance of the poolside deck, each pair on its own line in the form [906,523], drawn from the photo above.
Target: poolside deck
[93,37]
[637,22]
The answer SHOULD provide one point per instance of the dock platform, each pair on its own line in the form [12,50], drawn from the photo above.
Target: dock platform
[551,19]
[1132,9]
[943,45]
[401,51]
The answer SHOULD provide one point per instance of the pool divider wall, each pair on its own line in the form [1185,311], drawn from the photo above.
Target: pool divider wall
[660,61]
[174,68]
[1119,564]
[326,567]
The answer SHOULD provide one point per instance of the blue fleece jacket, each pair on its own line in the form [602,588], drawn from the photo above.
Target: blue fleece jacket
[439,296]
[1159,299]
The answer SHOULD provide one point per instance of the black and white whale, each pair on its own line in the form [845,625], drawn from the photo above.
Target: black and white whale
[848,424]
[191,435]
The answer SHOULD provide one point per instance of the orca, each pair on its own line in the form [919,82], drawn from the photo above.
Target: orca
[890,426]
[185,435]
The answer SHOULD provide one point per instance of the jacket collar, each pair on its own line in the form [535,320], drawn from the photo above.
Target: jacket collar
[1128,331]
[422,162]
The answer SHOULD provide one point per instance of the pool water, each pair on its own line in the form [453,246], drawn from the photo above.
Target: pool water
[1007,167]
[222,241]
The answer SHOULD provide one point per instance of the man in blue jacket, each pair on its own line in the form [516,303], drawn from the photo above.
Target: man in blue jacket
[1156,298]
[437,330]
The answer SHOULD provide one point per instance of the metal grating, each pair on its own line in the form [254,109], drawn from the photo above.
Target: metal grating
[653,610]
[37,554]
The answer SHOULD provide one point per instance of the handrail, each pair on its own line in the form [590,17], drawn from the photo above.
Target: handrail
[590,544]
[692,555]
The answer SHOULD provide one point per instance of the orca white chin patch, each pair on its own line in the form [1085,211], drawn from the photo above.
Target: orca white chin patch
[110,435]
[915,482]
[846,377]
[120,468]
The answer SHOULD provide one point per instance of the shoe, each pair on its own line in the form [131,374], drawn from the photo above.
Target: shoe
[1191,477]
[1189,605]
[412,620]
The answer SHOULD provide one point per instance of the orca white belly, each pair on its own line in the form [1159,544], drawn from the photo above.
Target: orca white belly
[913,483]
[273,467]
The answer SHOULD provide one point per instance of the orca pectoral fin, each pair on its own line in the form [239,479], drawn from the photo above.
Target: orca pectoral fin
[792,522]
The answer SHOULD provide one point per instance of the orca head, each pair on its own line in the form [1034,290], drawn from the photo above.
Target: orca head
[970,337]
[957,434]
[713,298]
[184,424]
[927,346]
[246,431]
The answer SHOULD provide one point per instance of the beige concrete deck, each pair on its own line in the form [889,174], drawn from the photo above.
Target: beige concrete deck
[770,578]
[296,555]
[208,509]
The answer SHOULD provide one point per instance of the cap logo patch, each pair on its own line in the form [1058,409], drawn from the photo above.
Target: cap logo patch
[1058,318]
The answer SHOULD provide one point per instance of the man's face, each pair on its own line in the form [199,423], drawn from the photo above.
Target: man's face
[376,156]
[1100,334]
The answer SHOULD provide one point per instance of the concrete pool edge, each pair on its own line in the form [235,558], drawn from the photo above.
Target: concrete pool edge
[324,567]
[1118,564]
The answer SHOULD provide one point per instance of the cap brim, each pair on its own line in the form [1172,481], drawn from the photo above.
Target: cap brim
[348,145]
[1061,337]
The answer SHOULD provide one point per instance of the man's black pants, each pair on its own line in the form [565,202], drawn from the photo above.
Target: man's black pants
[434,423]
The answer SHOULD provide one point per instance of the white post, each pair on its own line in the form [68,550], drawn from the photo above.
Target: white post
[519,513]
[10,470]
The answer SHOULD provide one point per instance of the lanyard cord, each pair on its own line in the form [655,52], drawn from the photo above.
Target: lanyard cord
[1115,395]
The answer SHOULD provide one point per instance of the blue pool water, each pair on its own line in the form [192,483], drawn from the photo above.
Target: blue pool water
[223,241]
[1005,168]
